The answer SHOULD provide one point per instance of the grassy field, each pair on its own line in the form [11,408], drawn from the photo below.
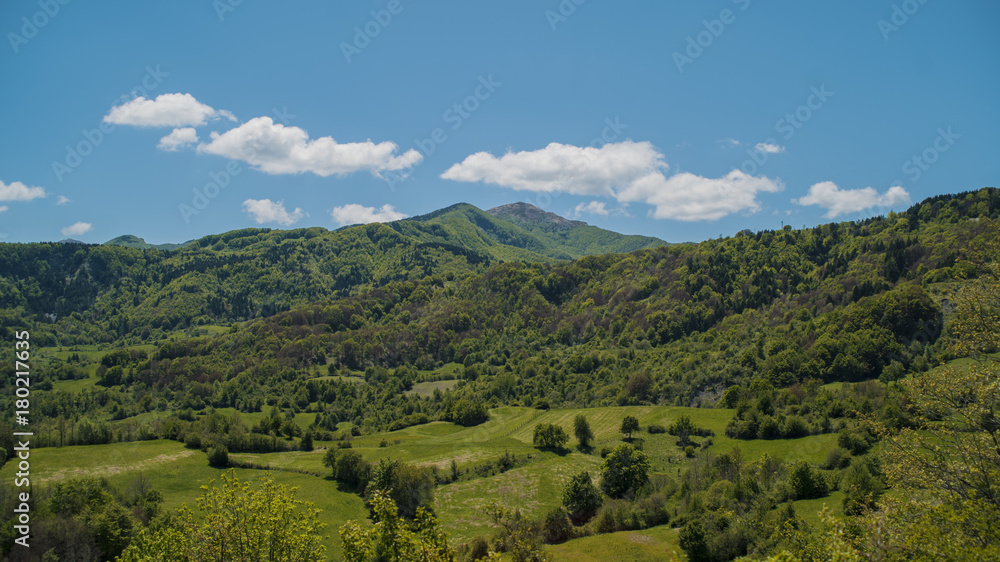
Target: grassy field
[653,544]
[425,389]
[535,486]
[178,474]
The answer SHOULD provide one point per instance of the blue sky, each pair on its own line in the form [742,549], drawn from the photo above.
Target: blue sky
[682,120]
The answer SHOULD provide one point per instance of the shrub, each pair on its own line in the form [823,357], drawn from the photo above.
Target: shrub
[218,456]
[855,442]
[837,458]
[581,497]
[654,428]
[557,527]
[192,440]
[806,483]
[477,549]
[795,427]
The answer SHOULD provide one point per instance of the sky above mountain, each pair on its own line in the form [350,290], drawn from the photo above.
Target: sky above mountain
[680,120]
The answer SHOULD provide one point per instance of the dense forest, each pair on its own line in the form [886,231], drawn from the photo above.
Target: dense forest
[799,332]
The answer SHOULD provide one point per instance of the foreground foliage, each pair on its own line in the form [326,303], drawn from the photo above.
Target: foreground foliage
[237,520]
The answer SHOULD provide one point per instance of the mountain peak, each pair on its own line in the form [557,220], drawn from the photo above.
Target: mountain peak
[532,214]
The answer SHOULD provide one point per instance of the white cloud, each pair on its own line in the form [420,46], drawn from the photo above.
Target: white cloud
[358,214]
[63,200]
[264,210]
[838,201]
[591,208]
[276,149]
[4,208]
[729,142]
[769,148]
[17,191]
[562,167]
[627,171]
[689,197]
[178,138]
[77,229]
[167,110]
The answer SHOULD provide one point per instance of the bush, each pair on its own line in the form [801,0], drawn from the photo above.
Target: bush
[837,458]
[692,541]
[218,456]
[468,413]
[807,483]
[795,427]
[477,548]
[855,442]
[654,428]
[557,527]
[192,440]
[348,467]
[581,497]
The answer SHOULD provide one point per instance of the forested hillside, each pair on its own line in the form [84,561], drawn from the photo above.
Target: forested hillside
[670,325]
[73,293]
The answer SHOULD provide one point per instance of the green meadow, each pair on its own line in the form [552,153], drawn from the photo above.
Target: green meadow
[534,487]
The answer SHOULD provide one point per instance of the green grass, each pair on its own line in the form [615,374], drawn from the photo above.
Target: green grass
[654,544]
[809,510]
[178,474]
[425,389]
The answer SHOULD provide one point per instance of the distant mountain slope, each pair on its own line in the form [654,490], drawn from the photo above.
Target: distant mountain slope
[521,232]
[130,241]
[569,237]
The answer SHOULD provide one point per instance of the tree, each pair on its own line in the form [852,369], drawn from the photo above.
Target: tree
[861,489]
[307,441]
[692,541]
[945,471]
[390,539]
[550,436]
[468,413]
[806,483]
[581,497]
[348,467]
[629,425]
[638,384]
[238,521]
[625,469]
[516,534]
[410,487]
[581,428]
